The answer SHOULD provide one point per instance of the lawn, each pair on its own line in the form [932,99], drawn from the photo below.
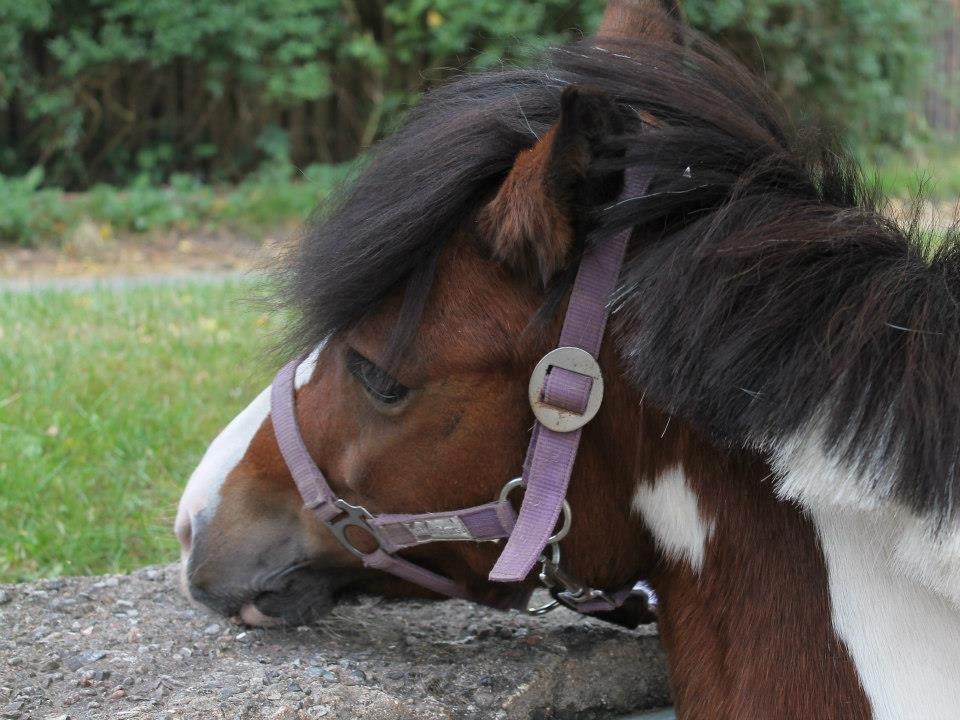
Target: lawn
[107,401]
[933,169]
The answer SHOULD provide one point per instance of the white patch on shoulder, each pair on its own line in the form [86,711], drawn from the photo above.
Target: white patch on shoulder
[202,493]
[903,637]
[806,475]
[671,512]
[930,557]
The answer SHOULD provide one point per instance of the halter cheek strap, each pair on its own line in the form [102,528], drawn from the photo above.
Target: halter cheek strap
[391,532]
[566,390]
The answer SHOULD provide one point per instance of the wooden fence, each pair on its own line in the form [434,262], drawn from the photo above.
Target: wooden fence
[941,106]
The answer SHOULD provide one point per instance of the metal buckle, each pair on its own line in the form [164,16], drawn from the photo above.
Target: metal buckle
[575,360]
[354,516]
[567,513]
[564,588]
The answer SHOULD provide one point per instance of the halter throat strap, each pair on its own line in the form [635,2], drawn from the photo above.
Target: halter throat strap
[566,390]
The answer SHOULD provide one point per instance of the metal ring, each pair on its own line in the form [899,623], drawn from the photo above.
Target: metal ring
[567,512]
[546,581]
[354,516]
[543,609]
[575,360]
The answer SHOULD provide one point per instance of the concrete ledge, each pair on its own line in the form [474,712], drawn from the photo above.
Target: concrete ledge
[131,647]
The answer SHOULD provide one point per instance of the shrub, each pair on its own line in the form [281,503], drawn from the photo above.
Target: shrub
[106,90]
[112,90]
[856,65]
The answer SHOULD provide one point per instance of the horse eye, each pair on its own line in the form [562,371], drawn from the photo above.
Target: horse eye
[378,383]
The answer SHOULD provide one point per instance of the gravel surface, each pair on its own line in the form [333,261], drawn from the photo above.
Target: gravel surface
[130,646]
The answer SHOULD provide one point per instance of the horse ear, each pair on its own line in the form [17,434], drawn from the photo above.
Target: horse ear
[651,19]
[533,220]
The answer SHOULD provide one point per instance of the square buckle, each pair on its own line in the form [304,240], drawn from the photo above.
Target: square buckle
[575,360]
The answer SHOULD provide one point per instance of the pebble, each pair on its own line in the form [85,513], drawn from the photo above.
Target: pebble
[484,698]
[5,597]
[354,677]
[50,663]
[212,629]
[228,692]
[85,658]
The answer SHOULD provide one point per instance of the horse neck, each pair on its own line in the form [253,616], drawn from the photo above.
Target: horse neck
[745,611]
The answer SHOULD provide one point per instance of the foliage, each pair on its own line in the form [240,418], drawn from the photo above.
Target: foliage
[30,215]
[120,90]
[268,199]
[111,89]
[856,65]
[932,171]
[108,400]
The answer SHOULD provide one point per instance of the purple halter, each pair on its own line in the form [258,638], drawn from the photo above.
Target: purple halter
[566,390]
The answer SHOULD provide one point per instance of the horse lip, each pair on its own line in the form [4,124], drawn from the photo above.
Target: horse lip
[251,615]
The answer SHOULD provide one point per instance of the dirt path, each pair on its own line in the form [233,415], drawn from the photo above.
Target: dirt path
[121,282]
[130,646]
[90,256]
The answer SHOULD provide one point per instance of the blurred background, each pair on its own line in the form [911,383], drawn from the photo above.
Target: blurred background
[165,148]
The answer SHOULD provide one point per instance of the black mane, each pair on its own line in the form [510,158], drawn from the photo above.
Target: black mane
[764,293]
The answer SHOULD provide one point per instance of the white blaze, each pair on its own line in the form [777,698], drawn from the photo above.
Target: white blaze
[202,493]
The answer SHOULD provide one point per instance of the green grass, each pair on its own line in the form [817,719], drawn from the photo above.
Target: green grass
[107,401]
[935,170]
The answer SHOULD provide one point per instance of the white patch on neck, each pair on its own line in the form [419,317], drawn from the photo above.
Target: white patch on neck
[671,512]
[903,638]
[202,493]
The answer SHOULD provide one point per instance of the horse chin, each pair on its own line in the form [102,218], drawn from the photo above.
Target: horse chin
[303,598]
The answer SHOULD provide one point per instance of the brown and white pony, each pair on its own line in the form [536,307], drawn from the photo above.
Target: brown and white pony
[778,449]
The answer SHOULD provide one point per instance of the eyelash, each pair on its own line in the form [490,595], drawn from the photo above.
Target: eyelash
[379,384]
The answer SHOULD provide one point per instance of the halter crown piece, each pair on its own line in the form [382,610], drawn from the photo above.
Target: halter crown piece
[566,390]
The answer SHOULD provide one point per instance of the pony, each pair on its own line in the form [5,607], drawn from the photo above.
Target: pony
[778,446]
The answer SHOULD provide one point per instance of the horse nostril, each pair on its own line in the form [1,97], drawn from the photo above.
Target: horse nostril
[184,531]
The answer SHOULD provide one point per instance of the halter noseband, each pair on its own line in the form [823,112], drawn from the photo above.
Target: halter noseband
[566,390]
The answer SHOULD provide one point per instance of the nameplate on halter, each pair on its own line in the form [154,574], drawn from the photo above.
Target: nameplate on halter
[450,528]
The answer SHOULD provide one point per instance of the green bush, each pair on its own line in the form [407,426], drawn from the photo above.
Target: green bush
[114,90]
[856,65]
[108,90]
[26,210]
[31,215]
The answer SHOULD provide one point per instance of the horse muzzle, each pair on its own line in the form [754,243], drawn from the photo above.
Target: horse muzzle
[263,578]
